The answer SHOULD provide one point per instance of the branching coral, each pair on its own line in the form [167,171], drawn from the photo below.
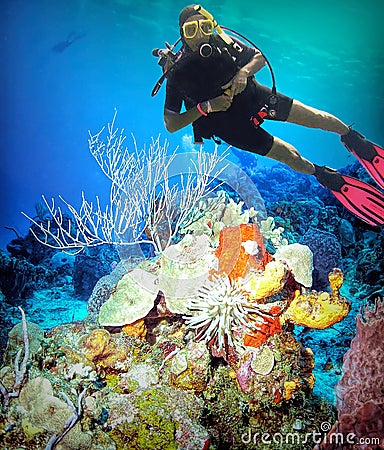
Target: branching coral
[144,205]
[269,230]
[20,368]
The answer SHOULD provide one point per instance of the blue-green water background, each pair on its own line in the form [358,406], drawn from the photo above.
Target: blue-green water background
[327,54]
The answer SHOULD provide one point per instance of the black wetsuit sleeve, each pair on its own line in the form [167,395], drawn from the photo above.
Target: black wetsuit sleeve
[173,98]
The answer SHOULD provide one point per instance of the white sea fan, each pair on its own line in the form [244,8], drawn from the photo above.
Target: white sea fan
[220,308]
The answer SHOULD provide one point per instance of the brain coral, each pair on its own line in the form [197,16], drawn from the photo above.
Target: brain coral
[299,259]
[130,302]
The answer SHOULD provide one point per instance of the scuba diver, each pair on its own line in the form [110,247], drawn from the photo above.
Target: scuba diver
[213,75]
[70,39]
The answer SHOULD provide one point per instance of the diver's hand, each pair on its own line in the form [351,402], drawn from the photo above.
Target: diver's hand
[220,103]
[238,83]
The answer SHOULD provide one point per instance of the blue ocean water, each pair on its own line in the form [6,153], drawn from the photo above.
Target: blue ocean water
[325,54]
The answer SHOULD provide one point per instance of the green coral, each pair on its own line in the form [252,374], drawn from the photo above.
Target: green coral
[112,382]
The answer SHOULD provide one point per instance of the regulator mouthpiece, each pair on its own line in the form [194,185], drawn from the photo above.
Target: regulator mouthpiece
[206,50]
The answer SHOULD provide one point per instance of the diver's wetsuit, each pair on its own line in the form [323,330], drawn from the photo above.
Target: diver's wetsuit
[195,79]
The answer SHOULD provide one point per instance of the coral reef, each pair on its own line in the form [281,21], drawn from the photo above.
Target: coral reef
[165,395]
[200,346]
[143,370]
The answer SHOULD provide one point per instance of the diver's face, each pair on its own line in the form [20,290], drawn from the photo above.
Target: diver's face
[197,31]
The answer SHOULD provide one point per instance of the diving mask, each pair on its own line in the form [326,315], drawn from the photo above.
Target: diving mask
[190,29]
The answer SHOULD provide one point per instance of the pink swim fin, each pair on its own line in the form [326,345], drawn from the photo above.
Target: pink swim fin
[370,155]
[361,199]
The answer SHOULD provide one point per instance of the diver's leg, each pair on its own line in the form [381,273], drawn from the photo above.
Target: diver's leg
[314,118]
[287,154]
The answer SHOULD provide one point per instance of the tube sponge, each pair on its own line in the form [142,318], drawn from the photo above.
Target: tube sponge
[360,392]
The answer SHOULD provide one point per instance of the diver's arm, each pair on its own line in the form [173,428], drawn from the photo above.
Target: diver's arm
[254,65]
[239,81]
[176,121]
